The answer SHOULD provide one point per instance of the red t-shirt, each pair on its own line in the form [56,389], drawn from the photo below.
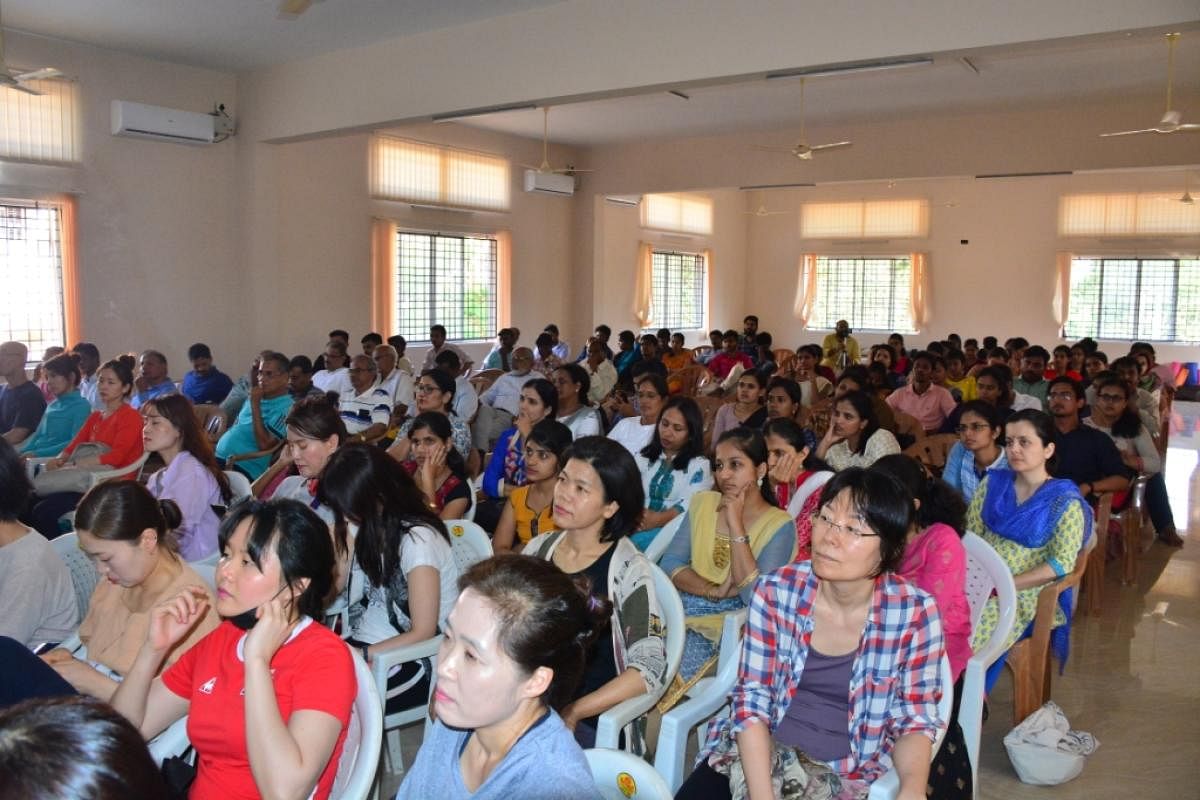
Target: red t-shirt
[313,670]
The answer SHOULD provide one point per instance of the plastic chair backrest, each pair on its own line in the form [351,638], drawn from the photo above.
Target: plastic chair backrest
[239,486]
[364,736]
[662,540]
[675,621]
[987,573]
[83,572]
[621,776]
[814,483]
[468,542]
[473,488]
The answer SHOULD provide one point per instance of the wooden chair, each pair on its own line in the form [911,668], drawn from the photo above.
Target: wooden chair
[1029,659]
[907,424]
[1093,579]
[932,451]
[703,350]
[708,412]
[783,359]
[689,379]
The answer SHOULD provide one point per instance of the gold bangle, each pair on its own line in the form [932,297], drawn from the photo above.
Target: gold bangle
[749,579]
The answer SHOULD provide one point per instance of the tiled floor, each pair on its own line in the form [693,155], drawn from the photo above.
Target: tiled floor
[1128,680]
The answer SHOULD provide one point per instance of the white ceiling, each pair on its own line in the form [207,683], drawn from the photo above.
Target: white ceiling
[1028,76]
[243,34]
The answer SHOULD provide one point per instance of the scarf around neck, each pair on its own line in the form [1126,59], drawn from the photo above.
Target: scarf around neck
[1031,523]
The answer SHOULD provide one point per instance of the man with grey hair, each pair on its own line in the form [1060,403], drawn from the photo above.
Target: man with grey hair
[500,403]
[367,411]
[21,401]
[393,380]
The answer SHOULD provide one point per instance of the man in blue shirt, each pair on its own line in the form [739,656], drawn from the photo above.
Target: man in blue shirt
[152,380]
[205,383]
[260,423]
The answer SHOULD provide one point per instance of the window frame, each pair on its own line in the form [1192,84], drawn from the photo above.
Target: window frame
[60,239]
[906,326]
[398,309]
[1138,295]
[701,257]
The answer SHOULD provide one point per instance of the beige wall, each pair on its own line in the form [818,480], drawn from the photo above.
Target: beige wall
[157,259]
[310,256]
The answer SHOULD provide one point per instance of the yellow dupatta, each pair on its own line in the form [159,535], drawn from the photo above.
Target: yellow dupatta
[702,518]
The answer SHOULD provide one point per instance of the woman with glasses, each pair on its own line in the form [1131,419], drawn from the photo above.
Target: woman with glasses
[1036,523]
[728,538]
[980,447]
[435,392]
[838,675]
[1115,413]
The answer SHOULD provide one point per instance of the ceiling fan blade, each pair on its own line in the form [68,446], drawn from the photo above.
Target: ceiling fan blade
[1129,133]
[830,146]
[21,88]
[1189,127]
[291,9]
[43,73]
[770,149]
[570,170]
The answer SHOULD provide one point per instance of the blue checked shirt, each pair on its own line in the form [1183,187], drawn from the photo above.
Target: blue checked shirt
[894,685]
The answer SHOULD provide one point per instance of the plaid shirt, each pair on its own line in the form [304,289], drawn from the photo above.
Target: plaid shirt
[894,685]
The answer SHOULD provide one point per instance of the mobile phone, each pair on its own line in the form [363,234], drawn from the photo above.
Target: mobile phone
[44,647]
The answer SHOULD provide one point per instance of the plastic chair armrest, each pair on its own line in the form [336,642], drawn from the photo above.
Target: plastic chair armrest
[382,662]
[611,722]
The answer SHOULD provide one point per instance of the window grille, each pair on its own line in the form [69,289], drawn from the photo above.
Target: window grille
[679,282]
[31,302]
[870,292]
[1155,299]
[448,280]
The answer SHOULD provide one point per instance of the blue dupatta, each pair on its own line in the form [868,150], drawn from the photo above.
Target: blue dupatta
[1031,524]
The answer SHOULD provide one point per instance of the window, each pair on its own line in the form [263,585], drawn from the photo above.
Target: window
[1135,298]
[679,284]
[448,280]
[1145,214]
[31,304]
[678,213]
[865,219]
[870,292]
[414,172]
[43,127]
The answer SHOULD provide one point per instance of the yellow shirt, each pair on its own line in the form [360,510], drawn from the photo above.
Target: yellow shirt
[966,387]
[831,345]
[672,361]
[528,523]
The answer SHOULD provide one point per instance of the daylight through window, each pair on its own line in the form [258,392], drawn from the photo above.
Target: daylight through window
[31,303]
[445,279]
[679,283]
[870,292]
[1135,298]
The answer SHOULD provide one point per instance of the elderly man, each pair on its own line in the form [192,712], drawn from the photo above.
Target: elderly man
[335,377]
[840,348]
[260,423]
[21,401]
[393,380]
[367,412]
[601,372]
[500,403]
[152,380]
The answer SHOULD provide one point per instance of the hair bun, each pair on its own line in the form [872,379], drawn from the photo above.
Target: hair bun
[332,398]
[172,515]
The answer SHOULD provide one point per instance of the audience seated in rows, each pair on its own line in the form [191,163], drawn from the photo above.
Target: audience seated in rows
[501,402]
[437,467]
[260,423]
[66,413]
[529,510]
[673,467]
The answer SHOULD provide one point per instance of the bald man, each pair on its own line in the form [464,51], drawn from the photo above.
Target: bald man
[21,401]
[499,404]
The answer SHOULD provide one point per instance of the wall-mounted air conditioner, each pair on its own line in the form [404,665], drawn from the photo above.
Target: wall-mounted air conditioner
[167,124]
[549,183]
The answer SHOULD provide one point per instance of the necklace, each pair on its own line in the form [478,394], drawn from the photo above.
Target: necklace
[721,551]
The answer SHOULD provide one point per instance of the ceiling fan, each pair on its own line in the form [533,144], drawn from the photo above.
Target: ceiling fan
[15,77]
[292,9]
[545,167]
[762,211]
[1172,120]
[802,149]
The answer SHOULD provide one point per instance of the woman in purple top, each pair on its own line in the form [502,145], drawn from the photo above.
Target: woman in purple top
[191,477]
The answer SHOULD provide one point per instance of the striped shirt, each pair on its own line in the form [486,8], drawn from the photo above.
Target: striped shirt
[895,683]
[374,406]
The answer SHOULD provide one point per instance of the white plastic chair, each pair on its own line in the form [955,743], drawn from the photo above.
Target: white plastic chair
[662,540]
[360,753]
[986,572]
[239,486]
[473,488]
[705,700]
[611,722]
[469,544]
[83,572]
[814,483]
[622,776]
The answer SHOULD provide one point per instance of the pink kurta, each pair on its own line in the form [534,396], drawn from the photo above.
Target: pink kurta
[937,562]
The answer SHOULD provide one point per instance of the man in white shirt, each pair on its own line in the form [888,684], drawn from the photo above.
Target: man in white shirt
[438,344]
[336,376]
[367,409]
[500,403]
[89,363]
[560,348]
[466,399]
[393,380]
[600,370]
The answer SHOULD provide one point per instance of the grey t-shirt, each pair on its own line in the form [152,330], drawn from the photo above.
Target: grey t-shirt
[544,764]
[817,720]
[36,593]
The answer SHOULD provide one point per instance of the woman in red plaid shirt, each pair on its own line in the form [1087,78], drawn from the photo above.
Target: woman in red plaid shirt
[839,673]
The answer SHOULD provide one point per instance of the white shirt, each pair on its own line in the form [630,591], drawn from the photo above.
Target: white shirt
[420,547]
[1023,402]
[336,380]
[87,388]
[361,411]
[631,434]
[466,399]
[505,393]
[585,421]
[428,363]
[400,387]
